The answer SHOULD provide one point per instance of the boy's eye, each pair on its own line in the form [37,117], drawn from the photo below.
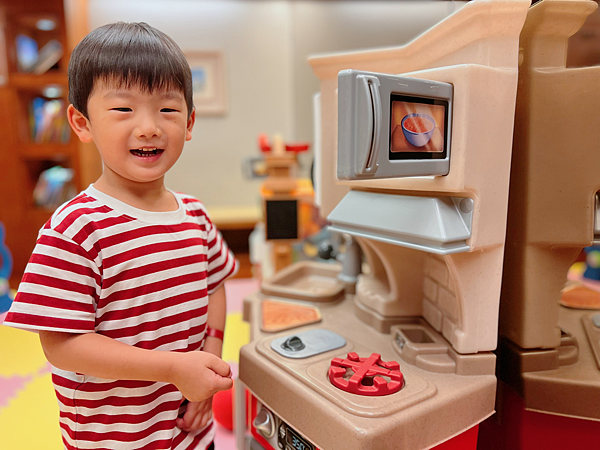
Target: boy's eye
[121,109]
[168,110]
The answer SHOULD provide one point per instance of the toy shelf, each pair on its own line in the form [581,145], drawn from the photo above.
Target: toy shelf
[34,52]
[33,82]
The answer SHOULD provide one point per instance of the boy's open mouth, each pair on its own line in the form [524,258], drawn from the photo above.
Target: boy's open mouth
[146,152]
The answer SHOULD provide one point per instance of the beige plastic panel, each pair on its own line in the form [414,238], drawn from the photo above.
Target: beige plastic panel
[483,33]
[391,284]
[434,405]
[555,173]
[476,49]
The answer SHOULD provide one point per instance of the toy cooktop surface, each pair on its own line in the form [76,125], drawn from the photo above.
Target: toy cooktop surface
[330,380]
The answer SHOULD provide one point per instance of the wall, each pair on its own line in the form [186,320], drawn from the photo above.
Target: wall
[335,26]
[270,84]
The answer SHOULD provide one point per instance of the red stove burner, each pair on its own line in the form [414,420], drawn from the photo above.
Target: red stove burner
[368,373]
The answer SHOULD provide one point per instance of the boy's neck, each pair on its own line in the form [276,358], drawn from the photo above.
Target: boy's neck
[150,196]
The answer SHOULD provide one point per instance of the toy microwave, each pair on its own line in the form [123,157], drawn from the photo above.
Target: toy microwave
[392,126]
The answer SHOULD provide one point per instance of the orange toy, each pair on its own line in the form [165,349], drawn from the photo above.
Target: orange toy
[286,198]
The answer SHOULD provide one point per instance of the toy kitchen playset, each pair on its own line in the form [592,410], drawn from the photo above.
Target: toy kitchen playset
[549,351]
[414,164]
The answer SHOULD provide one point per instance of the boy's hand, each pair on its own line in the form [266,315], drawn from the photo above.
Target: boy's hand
[198,375]
[197,415]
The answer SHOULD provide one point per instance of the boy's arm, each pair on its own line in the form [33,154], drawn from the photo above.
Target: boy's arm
[198,414]
[217,312]
[103,357]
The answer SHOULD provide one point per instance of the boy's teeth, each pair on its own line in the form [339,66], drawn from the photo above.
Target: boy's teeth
[146,151]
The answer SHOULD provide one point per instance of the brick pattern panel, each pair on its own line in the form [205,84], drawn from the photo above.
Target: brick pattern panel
[440,305]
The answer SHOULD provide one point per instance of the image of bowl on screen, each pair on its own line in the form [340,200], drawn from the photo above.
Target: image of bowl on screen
[418,128]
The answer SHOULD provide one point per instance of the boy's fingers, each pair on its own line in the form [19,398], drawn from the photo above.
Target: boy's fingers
[205,419]
[220,367]
[196,422]
[188,417]
[201,420]
[195,418]
[223,383]
[181,424]
[186,423]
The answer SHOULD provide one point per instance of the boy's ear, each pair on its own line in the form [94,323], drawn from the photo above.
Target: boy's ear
[80,124]
[190,124]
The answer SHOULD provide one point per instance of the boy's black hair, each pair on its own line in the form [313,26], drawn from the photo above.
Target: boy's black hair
[130,55]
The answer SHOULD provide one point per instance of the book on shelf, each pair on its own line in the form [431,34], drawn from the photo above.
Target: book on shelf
[34,60]
[48,121]
[27,52]
[48,56]
[54,187]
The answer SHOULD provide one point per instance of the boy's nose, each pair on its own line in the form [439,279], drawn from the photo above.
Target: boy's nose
[148,128]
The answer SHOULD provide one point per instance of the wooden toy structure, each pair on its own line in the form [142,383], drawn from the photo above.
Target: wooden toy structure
[284,197]
[429,300]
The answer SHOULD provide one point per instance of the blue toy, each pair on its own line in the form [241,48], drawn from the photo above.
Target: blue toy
[592,261]
[6,264]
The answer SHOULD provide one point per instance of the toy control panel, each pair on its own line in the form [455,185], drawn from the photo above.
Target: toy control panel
[274,433]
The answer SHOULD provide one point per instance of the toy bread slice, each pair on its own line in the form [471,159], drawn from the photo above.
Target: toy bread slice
[578,296]
[278,316]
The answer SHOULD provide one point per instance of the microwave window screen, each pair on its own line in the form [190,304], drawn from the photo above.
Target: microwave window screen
[282,219]
[417,128]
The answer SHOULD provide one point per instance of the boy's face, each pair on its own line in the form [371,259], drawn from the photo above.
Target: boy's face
[140,135]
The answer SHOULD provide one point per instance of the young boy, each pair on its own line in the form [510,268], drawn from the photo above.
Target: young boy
[125,283]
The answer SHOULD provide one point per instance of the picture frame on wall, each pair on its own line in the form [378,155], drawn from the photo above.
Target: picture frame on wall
[209,82]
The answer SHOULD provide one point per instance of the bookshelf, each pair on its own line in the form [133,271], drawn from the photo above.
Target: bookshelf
[36,40]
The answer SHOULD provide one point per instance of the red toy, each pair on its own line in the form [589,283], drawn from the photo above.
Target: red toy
[223,408]
[265,146]
[368,372]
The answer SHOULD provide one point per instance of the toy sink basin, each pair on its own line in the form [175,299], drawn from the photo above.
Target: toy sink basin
[306,280]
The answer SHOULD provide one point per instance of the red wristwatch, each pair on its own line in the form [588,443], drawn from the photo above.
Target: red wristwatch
[212,332]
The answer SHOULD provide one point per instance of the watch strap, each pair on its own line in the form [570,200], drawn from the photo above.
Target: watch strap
[213,332]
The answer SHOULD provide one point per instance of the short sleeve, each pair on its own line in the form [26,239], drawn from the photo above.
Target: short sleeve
[221,262]
[60,288]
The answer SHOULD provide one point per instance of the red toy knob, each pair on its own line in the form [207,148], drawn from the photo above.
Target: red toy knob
[297,148]
[368,375]
[263,143]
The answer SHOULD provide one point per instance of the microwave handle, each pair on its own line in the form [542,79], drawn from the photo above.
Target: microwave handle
[370,88]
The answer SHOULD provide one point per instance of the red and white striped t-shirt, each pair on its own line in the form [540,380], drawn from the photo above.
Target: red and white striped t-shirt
[136,276]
